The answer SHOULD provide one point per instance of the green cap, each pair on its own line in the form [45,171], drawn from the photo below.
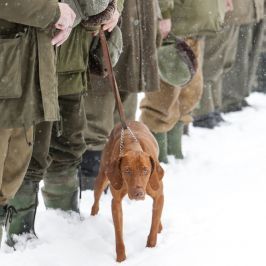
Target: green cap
[115,44]
[87,8]
[93,7]
[176,67]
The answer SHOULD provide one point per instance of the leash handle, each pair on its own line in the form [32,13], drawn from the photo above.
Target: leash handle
[111,76]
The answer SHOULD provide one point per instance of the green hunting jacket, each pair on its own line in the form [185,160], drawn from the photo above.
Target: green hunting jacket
[137,68]
[73,57]
[28,82]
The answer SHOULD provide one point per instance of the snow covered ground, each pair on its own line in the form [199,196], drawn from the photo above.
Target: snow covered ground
[214,215]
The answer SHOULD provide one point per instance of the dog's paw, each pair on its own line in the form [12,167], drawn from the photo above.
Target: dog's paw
[94,210]
[120,252]
[121,257]
[151,242]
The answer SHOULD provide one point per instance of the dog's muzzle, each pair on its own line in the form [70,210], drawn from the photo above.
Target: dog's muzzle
[137,194]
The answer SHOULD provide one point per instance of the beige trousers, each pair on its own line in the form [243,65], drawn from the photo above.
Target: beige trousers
[15,154]
[161,110]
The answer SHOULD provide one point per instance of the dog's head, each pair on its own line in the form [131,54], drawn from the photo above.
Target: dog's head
[136,169]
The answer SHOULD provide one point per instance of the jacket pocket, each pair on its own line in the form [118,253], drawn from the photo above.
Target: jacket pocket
[10,66]
[72,55]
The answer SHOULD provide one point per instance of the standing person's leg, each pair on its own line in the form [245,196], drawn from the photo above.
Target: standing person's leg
[257,41]
[16,147]
[219,55]
[61,184]
[99,106]
[260,84]
[160,111]
[229,58]
[26,199]
[235,81]
[189,97]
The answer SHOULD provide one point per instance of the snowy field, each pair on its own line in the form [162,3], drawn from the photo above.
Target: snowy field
[214,215]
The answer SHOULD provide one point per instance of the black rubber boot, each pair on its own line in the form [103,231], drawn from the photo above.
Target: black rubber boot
[162,143]
[218,117]
[89,169]
[174,140]
[25,204]
[236,107]
[206,121]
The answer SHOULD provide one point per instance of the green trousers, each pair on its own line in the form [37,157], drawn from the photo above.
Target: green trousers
[59,146]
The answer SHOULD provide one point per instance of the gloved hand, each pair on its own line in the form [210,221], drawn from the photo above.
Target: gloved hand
[107,17]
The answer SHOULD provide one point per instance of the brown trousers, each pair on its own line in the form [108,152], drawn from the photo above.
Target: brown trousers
[163,109]
[15,153]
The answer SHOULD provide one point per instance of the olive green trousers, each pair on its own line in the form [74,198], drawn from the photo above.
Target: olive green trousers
[59,145]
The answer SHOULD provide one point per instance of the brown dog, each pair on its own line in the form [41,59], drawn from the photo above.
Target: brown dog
[130,164]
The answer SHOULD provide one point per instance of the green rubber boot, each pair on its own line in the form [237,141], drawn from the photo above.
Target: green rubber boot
[23,219]
[61,190]
[162,142]
[174,141]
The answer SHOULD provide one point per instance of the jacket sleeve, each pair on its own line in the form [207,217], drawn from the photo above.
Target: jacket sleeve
[120,5]
[37,13]
[166,7]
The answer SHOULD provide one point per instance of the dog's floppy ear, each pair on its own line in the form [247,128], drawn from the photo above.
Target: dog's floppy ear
[114,174]
[156,174]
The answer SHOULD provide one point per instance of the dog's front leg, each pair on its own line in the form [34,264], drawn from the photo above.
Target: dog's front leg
[156,220]
[118,224]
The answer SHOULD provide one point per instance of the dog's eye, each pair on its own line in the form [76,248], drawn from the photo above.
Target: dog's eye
[145,171]
[127,172]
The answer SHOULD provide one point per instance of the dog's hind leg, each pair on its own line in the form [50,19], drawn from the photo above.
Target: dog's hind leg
[100,184]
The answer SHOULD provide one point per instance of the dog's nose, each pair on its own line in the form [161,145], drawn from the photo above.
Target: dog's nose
[139,194]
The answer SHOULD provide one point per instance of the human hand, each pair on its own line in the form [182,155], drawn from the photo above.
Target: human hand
[165,26]
[111,23]
[229,5]
[64,24]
